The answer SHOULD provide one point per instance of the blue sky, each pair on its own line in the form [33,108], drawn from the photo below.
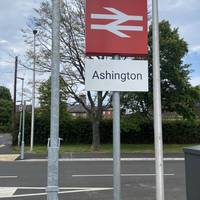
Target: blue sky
[14,15]
[186,16]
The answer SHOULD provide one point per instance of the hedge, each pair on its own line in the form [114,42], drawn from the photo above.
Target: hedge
[5,128]
[132,132]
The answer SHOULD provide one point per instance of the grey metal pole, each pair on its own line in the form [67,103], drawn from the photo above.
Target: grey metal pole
[20,128]
[21,113]
[157,106]
[33,94]
[23,128]
[54,142]
[14,96]
[116,145]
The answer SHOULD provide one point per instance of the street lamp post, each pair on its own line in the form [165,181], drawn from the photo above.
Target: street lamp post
[21,112]
[33,93]
[23,128]
[54,143]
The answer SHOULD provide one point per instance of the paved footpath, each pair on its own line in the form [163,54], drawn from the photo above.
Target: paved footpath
[5,143]
[89,178]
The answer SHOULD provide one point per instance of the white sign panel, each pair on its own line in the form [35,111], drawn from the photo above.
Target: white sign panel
[116,75]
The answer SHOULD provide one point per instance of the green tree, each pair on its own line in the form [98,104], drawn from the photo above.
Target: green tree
[72,54]
[177,93]
[45,100]
[5,109]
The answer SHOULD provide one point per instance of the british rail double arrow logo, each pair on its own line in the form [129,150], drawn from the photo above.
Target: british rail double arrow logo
[115,27]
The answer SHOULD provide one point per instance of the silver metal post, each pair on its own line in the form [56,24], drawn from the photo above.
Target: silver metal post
[20,129]
[23,128]
[33,94]
[157,106]
[21,113]
[53,144]
[116,145]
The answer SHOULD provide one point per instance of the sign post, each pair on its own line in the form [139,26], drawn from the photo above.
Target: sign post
[116,28]
[116,144]
[157,106]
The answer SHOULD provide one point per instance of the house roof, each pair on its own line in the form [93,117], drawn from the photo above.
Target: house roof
[78,108]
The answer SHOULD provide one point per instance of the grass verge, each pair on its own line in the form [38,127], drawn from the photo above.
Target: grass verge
[107,148]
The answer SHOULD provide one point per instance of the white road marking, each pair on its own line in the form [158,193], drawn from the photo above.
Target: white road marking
[8,192]
[8,157]
[100,159]
[61,188]
[2,145]
[70,190]
[110,175]
[174,159]
[8,176]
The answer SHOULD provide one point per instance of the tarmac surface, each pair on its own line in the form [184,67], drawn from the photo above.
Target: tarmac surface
[87,179]
[88,176]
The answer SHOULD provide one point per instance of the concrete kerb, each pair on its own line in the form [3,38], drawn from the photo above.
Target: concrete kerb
[92,157]
[102,156]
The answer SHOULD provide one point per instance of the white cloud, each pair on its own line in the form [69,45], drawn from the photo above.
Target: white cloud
[195,49]
[185,15]
[195,81]
[14,15]
[4,63]
[3,42]
[189,5]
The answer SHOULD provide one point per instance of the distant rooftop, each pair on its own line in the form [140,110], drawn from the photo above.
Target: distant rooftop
[77,108]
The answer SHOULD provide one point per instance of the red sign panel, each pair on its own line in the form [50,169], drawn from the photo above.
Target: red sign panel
[116,27]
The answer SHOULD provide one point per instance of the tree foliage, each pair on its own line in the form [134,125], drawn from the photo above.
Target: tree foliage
[177,93]
[5,93]
[72,54]
[5,108]
[45,100]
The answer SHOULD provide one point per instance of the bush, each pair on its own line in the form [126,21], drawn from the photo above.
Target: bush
[106,127]
[133,131]
[77,131]
[181,132]
[5,128]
